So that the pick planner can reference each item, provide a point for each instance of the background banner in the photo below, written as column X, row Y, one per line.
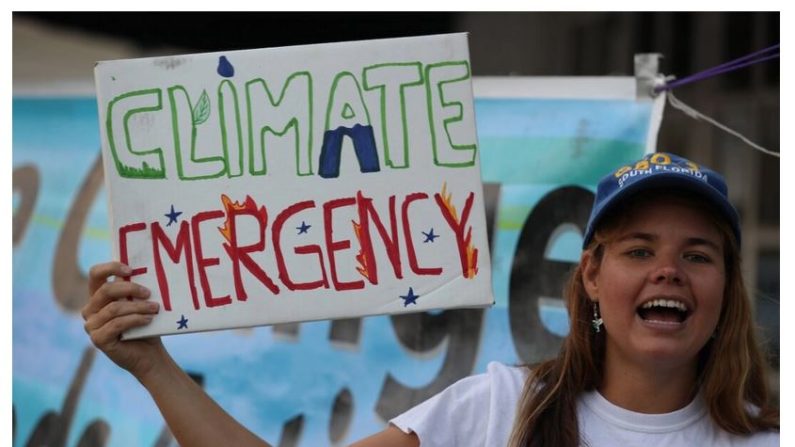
column 327, row 382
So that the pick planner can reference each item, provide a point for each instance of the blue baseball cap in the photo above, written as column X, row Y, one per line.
column 660, row 170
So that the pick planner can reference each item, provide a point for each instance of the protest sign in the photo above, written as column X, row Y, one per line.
column 298, row 183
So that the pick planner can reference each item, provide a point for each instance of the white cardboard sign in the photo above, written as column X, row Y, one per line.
column 299, row 183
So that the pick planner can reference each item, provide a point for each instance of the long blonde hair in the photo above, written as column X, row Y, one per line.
column 731, row 368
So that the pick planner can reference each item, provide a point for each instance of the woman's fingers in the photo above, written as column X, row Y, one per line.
column 108, row 334
column 109, row 292
column 99, row 274
column 114, row 307
column 121, row 310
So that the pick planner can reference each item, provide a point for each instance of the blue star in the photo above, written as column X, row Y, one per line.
column 303, row 228
column 183, row 323
column 172, row 216
column 429, row 237
column 409, row 298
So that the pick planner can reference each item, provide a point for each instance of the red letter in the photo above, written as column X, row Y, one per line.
column 302, row 250
column 123, row 256
column 409, row 241
column 159, row 239
column 202, row 263
column 241, row 254
column 391, row 245
column 468, row 268
column 332, row 246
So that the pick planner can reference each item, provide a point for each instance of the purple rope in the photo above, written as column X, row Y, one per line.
column 745, row 58
column 705, row 75
column 750, row 59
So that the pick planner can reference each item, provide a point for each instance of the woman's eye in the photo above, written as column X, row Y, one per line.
column 697, row 257
column 639, row 253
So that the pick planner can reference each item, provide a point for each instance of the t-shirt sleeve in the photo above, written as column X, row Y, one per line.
column 475, row 411
column 451, row 416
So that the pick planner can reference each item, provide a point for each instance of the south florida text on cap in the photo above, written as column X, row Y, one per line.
column 655, row 171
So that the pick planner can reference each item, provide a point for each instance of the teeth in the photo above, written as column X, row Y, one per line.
column 673, row 304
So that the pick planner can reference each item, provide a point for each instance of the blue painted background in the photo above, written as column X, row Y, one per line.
column 264, row 379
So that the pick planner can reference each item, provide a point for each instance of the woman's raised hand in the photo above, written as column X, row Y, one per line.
column 115, row 306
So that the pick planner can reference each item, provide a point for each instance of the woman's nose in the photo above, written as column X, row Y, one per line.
column 668, row 273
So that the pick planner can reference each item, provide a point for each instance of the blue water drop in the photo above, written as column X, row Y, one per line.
column 225, row 68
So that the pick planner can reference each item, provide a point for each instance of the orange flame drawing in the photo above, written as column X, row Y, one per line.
column 363, row 268
column 471, row 252
column 472, row 257
column 230, row 206
column 447, row 199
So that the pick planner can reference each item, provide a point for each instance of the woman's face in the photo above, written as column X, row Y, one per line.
column 659, row 284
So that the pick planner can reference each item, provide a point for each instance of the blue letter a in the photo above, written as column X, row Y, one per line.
column 363, row 144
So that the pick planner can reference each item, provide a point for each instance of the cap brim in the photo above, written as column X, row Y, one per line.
column 675, row 181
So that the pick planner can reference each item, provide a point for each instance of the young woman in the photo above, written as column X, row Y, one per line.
column 661, row 349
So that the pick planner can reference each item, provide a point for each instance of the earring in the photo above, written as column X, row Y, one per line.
column 597, row 321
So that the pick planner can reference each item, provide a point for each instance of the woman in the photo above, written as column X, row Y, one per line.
column 661, row 349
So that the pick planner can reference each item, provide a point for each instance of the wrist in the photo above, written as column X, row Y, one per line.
column 158, row 368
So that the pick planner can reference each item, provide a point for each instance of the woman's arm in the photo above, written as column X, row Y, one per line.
column 194, row 418
column 390, row 437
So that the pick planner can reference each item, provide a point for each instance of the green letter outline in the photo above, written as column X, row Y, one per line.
column 145, row 172
column 293, row 123
column 178, row 144
column 382, row 88
column 458, row 116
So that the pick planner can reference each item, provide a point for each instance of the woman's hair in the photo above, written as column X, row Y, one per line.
column 731, row 368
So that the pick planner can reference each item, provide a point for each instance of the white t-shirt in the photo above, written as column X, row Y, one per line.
column 480, row 410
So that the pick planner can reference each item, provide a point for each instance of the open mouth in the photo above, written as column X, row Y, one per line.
column 664, row 311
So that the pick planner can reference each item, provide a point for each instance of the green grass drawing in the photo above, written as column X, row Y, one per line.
column 143, row 172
